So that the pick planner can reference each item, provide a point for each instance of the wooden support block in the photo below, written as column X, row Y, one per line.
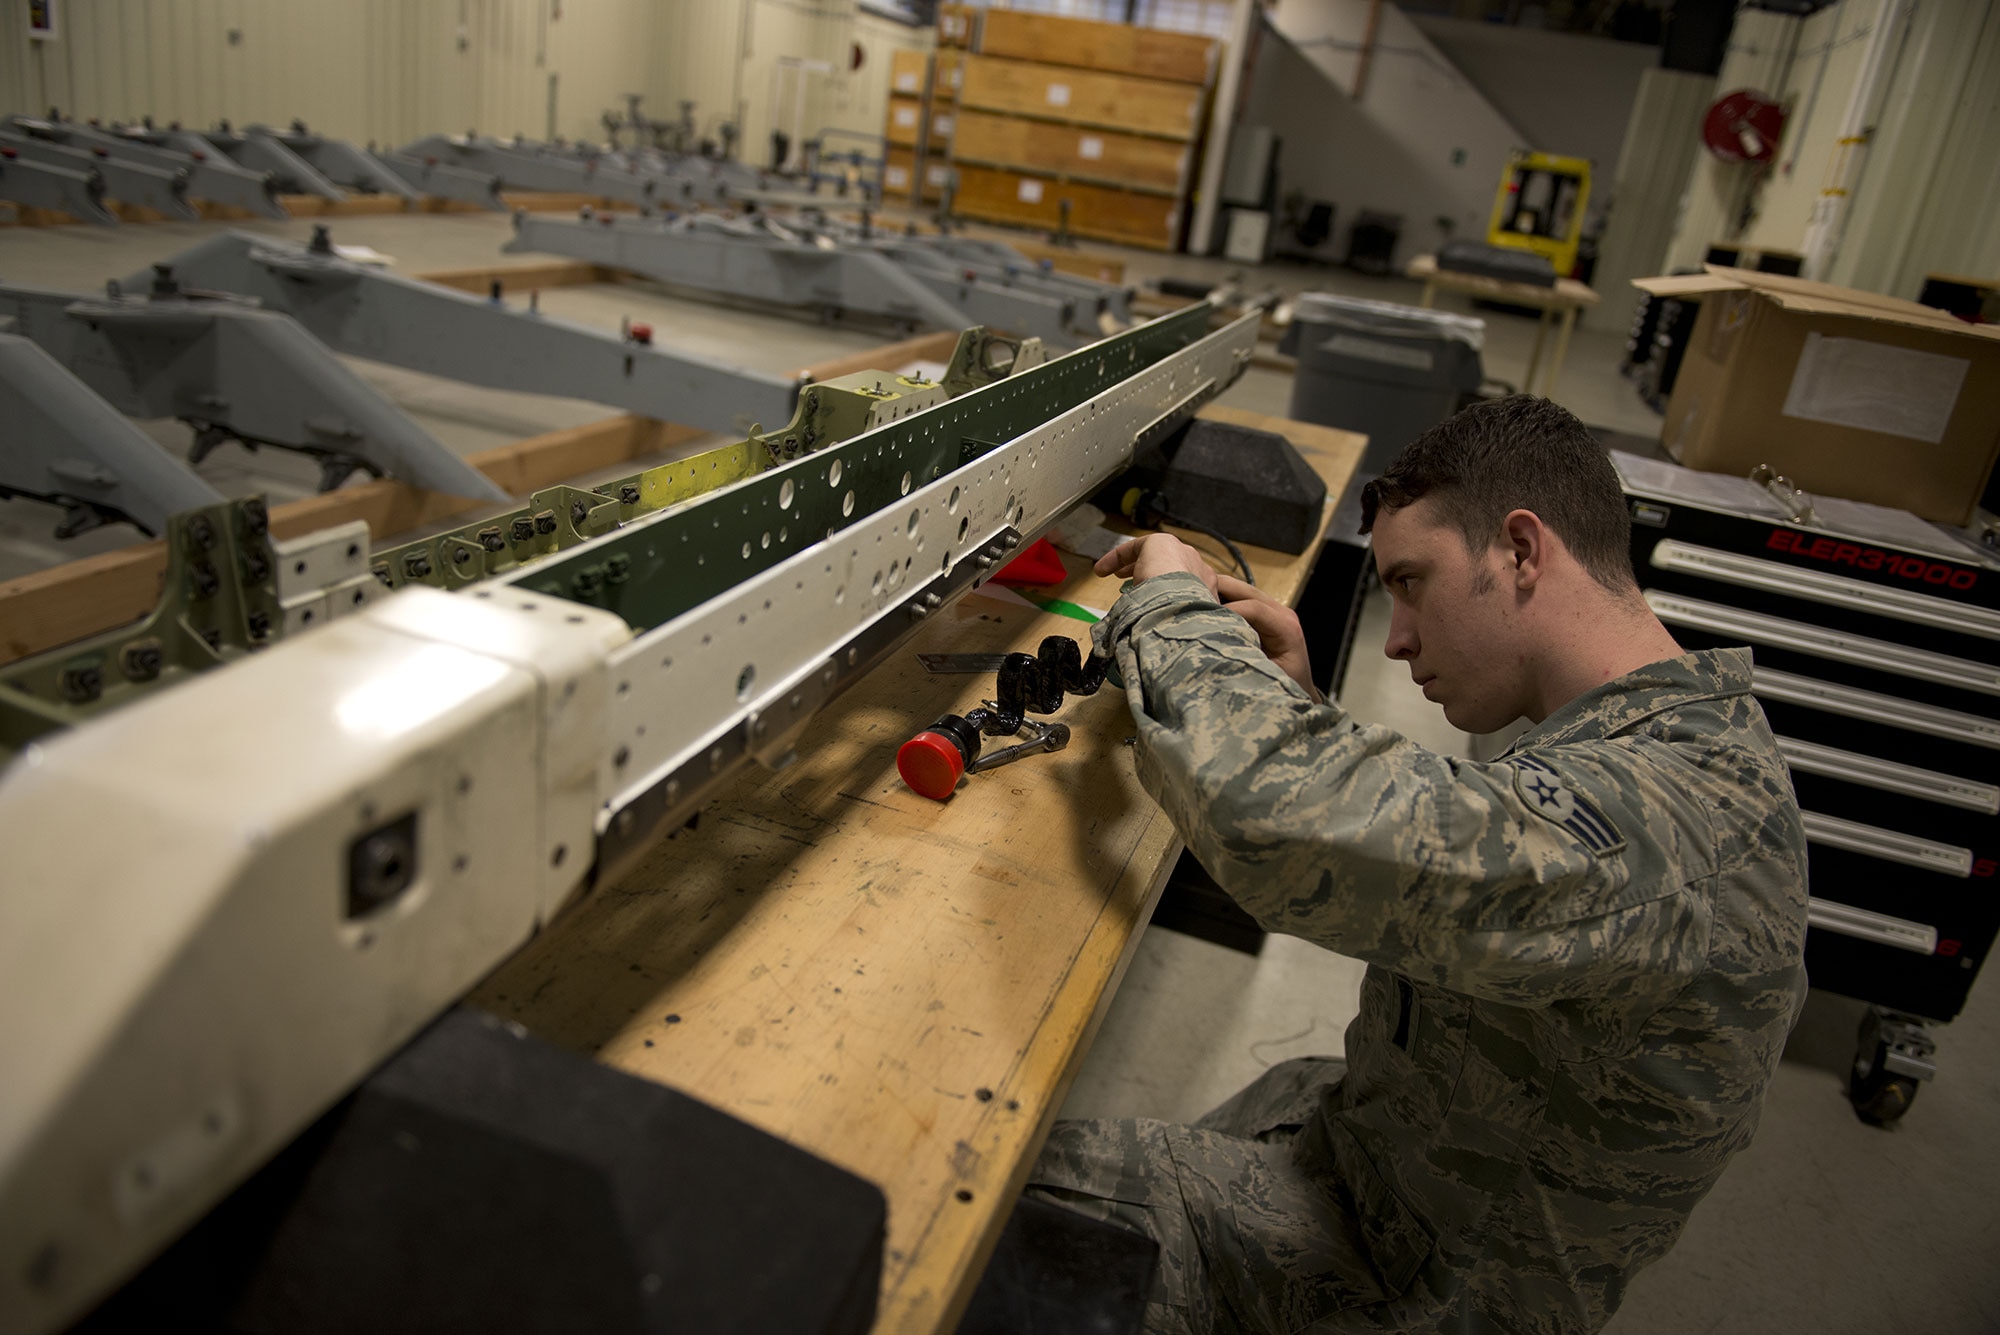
column 1083, row 97
column 1103, row 212
column 354, row 206
column 909, row 71
column 932, row 347
column 1103, row 269
column 1084, row 154
column 905, row 121
column 1116, row 48
column 520, row 277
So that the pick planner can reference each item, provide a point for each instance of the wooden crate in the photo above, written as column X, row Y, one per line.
column 1116, row 48
column 998, row 195
column 957, row 24
column 1083, row 97
column 909, row 72
column 899, row 173
column 1079, row 153
column 937, row 171
column 950, row 74
column 905, row 121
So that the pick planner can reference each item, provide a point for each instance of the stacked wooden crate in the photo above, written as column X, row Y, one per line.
column 909, row 96
column 1104, row 116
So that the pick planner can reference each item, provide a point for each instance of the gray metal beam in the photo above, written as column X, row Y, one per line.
column 233, row 371
column 43, row 186
column 257, row 153
column 644, row 178
column 340, row 162
column 67, row 446
column 428, row 176
column 211, row 174
column 367, row 312
column 149, row 187
column 706, row 254
column 765, row 260
column 531, row 167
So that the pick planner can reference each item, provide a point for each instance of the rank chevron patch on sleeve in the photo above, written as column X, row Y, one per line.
column 1543, row 791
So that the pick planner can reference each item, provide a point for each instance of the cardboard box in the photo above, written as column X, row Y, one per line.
column 1847, row 393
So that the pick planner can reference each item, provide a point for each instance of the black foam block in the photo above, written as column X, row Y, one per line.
column 485, row 1180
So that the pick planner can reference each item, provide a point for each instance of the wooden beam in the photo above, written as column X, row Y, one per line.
column 936, row 347
column 516, row 277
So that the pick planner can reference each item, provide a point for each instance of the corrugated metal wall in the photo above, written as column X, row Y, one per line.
column 1928, row 198
column 382, row 70
column 1928, row 190
column 1648, row 182
column 725, row 56
column 1759, row 56
column 390, row 70
column 1824, row 72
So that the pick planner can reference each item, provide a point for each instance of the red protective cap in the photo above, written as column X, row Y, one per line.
column 1039, row 565
column 931, row 764
column 642, row 333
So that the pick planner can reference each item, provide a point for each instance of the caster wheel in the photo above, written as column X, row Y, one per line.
column 1880, row 1096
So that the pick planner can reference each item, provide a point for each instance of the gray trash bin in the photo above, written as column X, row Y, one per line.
column 1373, row 366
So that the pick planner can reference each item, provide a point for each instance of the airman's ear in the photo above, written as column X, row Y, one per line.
column 1527, row 540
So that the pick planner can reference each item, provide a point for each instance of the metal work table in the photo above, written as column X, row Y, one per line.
column 1558, row 305
column 903, row 987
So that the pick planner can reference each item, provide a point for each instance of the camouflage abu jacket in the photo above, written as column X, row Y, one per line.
column 1584, row 957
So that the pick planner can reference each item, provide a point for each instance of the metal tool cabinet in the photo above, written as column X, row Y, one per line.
column 1877, row 644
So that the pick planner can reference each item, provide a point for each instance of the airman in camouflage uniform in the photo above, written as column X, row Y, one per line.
column 1584, row 958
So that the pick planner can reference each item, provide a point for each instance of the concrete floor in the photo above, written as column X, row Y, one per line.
column 1823, row 1225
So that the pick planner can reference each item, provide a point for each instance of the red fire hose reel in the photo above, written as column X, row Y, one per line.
column 1743, row 127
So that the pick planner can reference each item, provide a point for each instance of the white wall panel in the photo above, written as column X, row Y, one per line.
column 1759, row 57
column 1421, row 142
column 1568, row 93
column 1928, row 197
column 1644, row 188
column 382, row 70
column 1824, row 73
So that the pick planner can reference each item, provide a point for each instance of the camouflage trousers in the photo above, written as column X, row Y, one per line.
column 1248, row 1241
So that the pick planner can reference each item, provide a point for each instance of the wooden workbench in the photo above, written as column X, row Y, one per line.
column 1559, row 304
column 903, row 987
